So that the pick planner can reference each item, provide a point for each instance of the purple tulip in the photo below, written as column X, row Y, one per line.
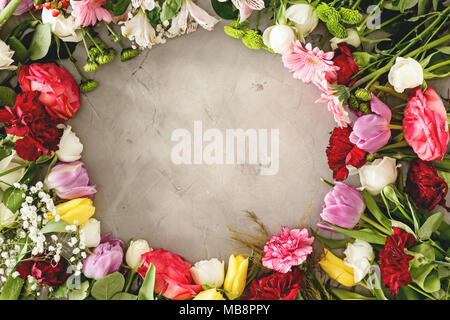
column 343, row 207
column 371, row 131
column 70, row 181
column 107, row 258
column 23, row 7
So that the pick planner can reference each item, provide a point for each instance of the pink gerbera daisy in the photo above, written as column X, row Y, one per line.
column 88, row 12
column 334, row 105
column 286, row 249
column 310, row 65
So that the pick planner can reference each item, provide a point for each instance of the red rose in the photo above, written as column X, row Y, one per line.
column 57, row 89
column 284, row 286
column 173, row 277
column 46, row 272
column 424, row 185
column 341, row 152
column 347, row 66
column 394, row 262
column 29, row 119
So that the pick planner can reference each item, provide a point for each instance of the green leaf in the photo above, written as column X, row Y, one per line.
column 403, row 226
column 117, row 7
column 81, row 293
column 20, row 51
column 154, row 15
column 169, row 9
column 124, row 296
column 40, row 44
column 426, row 277
column 29, row 174
column 430, row 225
column 343, row 294
column 374, row 283
column 55, row 226
column 12, row 288
column 225, row 10
column 445, row 50
column 406, row 293
column 332, row 244
column 7, row 97
column 147, row 290
column 375, row 210
column 107, row 287
column 12, row 198
column 364, row 234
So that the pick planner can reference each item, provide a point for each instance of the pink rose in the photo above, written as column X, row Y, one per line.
column 425, row 124
column 286, row 249
column 173, row 277
column 58, row 90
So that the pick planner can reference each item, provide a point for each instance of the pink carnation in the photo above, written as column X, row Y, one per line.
column 286, row 249
column 88, row 12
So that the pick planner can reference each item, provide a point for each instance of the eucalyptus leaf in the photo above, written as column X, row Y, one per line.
column 169, row 9
column 12, row 288
column 54, row 226
column 107, row 287
column 7, row 96
column 124, row 296
column 80, row 293
column 40, row 44
column 430, row 225
column 148, row 287
column 426, row 277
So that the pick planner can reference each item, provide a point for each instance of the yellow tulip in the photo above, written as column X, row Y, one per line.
column 236, row 277
column 337, row 270
column 76, row 211
column 210, row 294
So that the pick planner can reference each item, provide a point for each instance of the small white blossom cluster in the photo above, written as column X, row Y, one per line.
column 24, row 238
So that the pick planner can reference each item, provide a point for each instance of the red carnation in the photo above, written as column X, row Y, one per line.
column 394, row 262
column 277, row 286
column 424, row 185
column 347, row 66
column 341, row 152
column 28, row 119
column 47, row 273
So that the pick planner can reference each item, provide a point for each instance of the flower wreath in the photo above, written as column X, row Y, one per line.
column 396, row 241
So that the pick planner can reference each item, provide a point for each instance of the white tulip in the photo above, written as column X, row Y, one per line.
column 139, row 30
column 358, row 255
column 7, row 217
column 209, row 272
column 352, row 39
column 91, row 234
column 8, row 163
column 405, row 74
column 304, row 16
column 70, row 146
column 376, row 175
column 134, row 252
column 64, row 28
column 6, row 55
column 279, row 38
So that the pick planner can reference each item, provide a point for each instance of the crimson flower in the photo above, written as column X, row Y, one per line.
column 46, row 272
column 347, row 66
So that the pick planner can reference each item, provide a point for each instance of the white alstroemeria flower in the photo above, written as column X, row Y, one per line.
column 144, row 4
column 64, row 28
column 6, row 55
column 139, row 30
column 305, row 18
column 352, row 39
column 8, row 163
column 405, row 74
column 246, row 7
column 358, row 255
column 200, row 16
column 279, row 38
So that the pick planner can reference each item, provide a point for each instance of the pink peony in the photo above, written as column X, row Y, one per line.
column 311, row 65
column 88, row 12
column 425, row 124
column 286, row 249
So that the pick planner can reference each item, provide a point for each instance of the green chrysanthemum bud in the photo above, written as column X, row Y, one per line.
column 106, row 57
column 337, row 29
column 327, row 14
column 234, row 33
column 364, row 108
column 239, row 25
column 253, row 40
column 116, row 37
column 128, row 54
column 363, row 94
column 350, row 16
column 353, row 103
column 94, row 51
column 88, row 85
column 91, row 66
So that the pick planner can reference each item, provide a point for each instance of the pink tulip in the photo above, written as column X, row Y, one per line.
column 107, row 258
column 70, row 181
column 371, row 131
column 425, row 124
column 343, row 207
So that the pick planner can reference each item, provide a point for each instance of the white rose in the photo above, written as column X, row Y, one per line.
column 376, row 175
column 358, row 255
column 8, row 163
column 405, row 73
column 64, row 28
column 304, row 17
column 6, row 216
column 352, row 39
column 209, row 272
column 6, row 55
column 91, row 232
column 134, row 252
column 70, row 147
column 279, row 38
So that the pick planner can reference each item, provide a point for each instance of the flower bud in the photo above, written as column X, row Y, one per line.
column 236, row 277
column 91, row 232
column 10, row 162
column 405, row 74
column 75, row 212
column 336, row 269
column 70, row 147
column 91, row 66
column 279, row 38
column 209, row 272
column 135, row 251
column 211, row 294
column 128, row 54
column 304, row 17
column 88, row 85
column 358, row 255
column 376, row 175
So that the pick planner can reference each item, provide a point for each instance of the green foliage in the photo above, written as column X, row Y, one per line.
column 7, row 97
column 148, row 287
column 12, row 198
column 12, row 288
column 226, row 10
column 41, row 41
column 154, row 15
column 107, row 287
column 117, row 7
column 169, row 9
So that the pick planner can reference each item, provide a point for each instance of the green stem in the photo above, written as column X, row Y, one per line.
column 381, row 25
column 93, row 41
column 421, row 292
column 130, row 279
column 74, row 62
column 8, row 11
column 86, row 46
column 401, row 144
column 395, row 127
column 375, row 224
column 356, row 4
column 437, row 65
column 4, row 173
